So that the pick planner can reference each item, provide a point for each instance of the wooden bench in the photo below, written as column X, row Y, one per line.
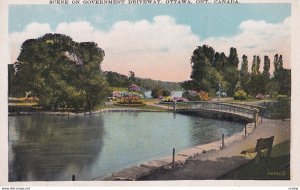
column 261, row 144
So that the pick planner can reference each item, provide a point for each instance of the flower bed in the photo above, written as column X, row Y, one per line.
column 193, row 95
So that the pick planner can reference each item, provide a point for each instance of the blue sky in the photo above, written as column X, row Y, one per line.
column 205, row 20
column 156, row 41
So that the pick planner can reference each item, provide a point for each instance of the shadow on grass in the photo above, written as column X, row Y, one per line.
column 277, row 168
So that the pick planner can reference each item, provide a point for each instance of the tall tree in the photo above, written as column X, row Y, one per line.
column 282, row 76
column 244, row 73
column 230, row 71
column 201, row 61
column 278, row 63
column 61, row 73
column 255, row 84
column 233, row 59
column 255, row 65
column 266, row 71
column 132, row 78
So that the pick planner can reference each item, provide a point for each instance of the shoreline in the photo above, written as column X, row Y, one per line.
column 139, row 171
column 83, row 113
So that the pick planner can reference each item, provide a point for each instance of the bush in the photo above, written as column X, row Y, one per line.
column 259, row 96
column 134, row 88
column 191, row 95
column 203, row 96
column 157, row 92
column 281, row 97
column 240, row 95
column 166, row 92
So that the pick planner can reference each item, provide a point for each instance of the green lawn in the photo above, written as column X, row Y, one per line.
column 277, row 168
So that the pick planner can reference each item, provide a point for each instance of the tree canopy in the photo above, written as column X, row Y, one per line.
column 210, row 68
column 60, row 72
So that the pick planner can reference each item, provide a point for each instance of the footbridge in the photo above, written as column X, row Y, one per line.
column 246, row 112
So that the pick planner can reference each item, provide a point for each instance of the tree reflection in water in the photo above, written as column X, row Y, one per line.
column 53, row 148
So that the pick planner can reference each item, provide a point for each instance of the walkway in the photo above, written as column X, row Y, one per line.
column 213, row 164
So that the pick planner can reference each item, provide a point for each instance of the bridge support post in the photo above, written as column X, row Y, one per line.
column 245, row 131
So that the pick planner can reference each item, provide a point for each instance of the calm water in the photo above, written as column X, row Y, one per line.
column 55, row 147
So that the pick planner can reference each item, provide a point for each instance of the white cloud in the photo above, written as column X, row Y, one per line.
column 161, row 48
column 33, row 30
column 258, row 38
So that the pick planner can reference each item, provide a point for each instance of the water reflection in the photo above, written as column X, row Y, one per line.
column 207, row 130
column 53, row 147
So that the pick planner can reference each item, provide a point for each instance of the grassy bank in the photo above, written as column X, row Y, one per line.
column 277, row 168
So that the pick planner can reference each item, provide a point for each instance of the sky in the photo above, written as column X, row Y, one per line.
column 157, row 41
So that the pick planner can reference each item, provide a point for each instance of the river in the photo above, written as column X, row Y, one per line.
column 53, row 148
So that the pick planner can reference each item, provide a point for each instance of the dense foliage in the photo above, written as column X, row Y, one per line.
column 240, row 95
column 159, row 92
column 211, row 69
column 62, row 73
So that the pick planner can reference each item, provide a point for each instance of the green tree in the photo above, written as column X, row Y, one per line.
column 132, row 78
column 278, row 63
column 266, row 71
column 230, row 71
column 255, row 84
column 157, row 92
column 201, row 59
column 116, row 80
column 210, row 68
column 244, row 73
column 282, row 76
column 265, row 82
column 61, row 73
column 233, row 59
column 255, row 65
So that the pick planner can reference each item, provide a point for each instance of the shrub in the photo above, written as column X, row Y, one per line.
column 240, row 95
column 203, row 96
column 281, row 97
column 191, row 95
column 134, row 88
column 157, row 92
column 167, row 99
column 259, row 96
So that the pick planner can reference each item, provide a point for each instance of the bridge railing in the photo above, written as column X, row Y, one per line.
column 217, row 106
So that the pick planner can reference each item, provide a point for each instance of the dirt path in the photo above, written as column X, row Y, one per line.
column 213, row 164
column 166, row 107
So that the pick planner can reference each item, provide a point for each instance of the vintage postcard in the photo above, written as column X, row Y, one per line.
column 99, row 92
